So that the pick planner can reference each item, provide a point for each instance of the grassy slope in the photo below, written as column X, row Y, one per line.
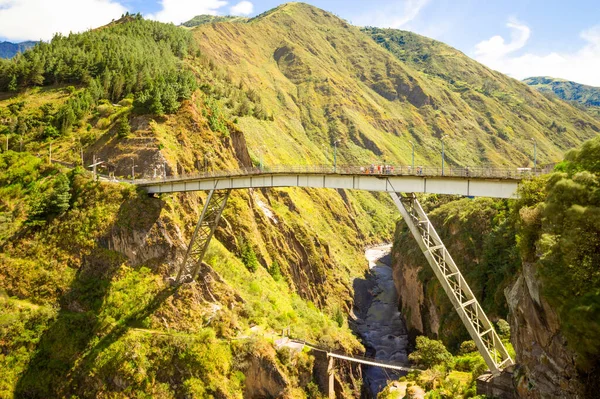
column 319, row 74
column 491, row 109
column 589, row 96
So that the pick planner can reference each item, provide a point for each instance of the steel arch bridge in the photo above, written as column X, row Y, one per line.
column 401, row 183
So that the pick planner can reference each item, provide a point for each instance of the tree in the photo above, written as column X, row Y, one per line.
column 429, row 353
column 248, row 256
column 12, row 86
column 124, row 129
column 275, row 271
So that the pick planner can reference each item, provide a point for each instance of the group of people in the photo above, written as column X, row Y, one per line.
column 377, row 169
column 387, row 170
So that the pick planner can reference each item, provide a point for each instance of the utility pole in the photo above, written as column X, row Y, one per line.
column 534, row 154
column 207, row 155
column 413, row 155
column 442, row 139
column 133, row 165
column 335, row 143
column 95, row 163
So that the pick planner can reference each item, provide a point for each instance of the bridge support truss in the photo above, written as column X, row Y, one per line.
column 455, row 286
column 205, row 229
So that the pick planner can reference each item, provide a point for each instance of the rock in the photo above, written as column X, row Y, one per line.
column 546, row 366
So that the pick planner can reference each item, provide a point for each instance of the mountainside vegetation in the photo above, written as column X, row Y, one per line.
column 553, row 227
column 86, row 306
column 584, row 96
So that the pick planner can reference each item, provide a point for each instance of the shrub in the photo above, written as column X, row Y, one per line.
column 248, row 256
column 467, row 347
column 275, row 271
column 124, row 129
column 503, row 329
column 429, row 353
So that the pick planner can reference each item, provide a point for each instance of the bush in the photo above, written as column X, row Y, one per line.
column 248, row 256
column 467, row 347
column 124, row 129
column 503, row 329
column 275, row 271
column 430, row 353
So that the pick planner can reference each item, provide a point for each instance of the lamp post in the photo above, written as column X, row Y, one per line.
column 335, row 143
column 206, row 156
column 94, row 165
column 534, row 154
column 413, row 155
column 442, row 139
column 133, row 165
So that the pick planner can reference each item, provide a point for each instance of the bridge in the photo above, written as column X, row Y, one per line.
column 471, row 182
column 401, row 182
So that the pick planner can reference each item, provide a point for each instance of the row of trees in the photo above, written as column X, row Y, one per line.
column 121, row 58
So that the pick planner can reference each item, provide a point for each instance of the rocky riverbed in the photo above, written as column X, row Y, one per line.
column 378, row 322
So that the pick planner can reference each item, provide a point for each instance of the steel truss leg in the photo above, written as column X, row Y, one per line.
column 205, row 229
column 455, row 286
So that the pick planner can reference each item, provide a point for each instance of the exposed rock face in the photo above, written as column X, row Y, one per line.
column 264, row 379
column 546, row 367
column 419, row 310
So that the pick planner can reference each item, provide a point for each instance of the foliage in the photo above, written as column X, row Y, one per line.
column 248, row 256
column 429, row 353
column 275, row 271
column 122, row 58
column 123, row 128
column 567, row 246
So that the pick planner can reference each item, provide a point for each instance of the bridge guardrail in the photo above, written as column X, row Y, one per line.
column 379, row 170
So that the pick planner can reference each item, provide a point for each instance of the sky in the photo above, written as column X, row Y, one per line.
column 520, row 38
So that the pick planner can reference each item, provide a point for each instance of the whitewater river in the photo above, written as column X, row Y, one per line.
column 379, row 323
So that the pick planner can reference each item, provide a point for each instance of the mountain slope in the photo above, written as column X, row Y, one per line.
column 317, row 74
column 567, row 90
column 9, row 50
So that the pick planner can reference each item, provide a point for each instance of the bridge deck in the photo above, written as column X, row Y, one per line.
column 476, row 182
column 357, row 359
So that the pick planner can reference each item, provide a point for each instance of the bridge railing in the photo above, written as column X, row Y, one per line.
column 385, row 170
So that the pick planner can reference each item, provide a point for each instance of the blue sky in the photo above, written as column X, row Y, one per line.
column 521, row 38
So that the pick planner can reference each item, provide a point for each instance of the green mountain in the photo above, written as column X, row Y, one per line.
column 567, row 90
column 323, row 79
column 9, row 50
column 86, row 308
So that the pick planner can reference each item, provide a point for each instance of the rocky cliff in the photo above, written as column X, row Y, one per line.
column 546, row 367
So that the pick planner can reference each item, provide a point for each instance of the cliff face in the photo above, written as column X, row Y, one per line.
column 471, row 230
column 546, row 367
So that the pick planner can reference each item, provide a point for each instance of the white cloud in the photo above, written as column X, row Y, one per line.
column 580, row 65
column 396, row 16
column 178, row 11
column 242, row 8
column 40, row 19
column 496, row 47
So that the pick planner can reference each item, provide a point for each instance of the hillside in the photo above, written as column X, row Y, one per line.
column 567, row 90
column 9, row 50
column 316, row 73
column 86, row 308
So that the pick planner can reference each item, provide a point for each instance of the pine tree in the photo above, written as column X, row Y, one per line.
column 124, row 129
column 12, row 86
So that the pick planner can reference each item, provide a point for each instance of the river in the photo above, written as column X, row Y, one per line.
column 378, row 322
